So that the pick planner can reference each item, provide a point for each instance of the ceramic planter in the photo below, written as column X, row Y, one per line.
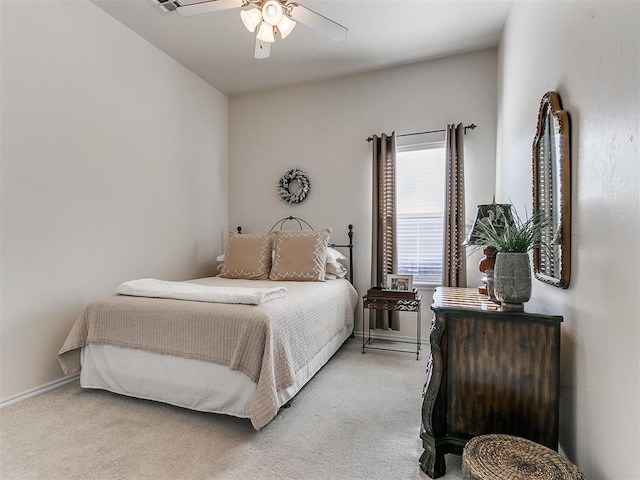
column 512, row 280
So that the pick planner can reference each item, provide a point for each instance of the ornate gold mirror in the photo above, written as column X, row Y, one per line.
column 552, row 192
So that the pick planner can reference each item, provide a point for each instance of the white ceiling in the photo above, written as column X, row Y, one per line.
column 382, row 33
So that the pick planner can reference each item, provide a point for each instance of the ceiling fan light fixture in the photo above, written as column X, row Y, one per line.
column 265, row 33
column 272, row 12
column 251, row 18
column 264, row 19
column 286, row 26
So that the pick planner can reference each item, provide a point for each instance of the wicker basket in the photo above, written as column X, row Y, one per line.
column 505, row 457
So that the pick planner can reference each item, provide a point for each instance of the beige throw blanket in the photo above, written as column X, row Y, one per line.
column 151, row 287
column 269, row 342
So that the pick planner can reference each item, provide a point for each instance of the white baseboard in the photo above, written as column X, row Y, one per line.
column 38, row 390
column 561, row 451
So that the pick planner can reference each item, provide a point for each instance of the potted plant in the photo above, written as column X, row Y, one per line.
column 512, row 271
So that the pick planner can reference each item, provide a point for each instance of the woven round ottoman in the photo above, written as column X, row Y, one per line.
column 505, row 457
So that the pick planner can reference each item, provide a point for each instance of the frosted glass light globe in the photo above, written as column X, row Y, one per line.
column 272, row 12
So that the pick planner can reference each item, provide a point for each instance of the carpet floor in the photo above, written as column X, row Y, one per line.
column 358, row 418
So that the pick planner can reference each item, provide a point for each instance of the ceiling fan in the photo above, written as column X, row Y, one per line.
column 265, row 18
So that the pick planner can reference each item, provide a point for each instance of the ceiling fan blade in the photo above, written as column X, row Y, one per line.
column 207, row 7
column 263, row 49
column 164, row 6
column 318, row 22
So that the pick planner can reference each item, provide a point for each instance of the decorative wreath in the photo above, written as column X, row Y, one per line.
column 284, row 184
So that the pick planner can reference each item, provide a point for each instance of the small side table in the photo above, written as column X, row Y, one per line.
column 391, row 304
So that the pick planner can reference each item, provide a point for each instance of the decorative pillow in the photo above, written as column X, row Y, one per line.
column 334, row 255
column 248, row 256
column 300, row 256
column 335, row 270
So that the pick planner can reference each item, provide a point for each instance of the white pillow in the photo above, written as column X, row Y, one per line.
column 335, row 270
column 334, row 255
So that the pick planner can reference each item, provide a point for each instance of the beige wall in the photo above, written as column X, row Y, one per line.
column 114, row 166
column 321, row 128
column 114, row 160
column 589, row 53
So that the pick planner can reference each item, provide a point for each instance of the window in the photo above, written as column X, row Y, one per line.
column 420, row 184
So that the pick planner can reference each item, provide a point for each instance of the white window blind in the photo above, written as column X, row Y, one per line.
column 420, row 184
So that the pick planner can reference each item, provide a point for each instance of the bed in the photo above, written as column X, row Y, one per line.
column 242, row 343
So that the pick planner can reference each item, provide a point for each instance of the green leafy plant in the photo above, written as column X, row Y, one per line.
column 520, row 236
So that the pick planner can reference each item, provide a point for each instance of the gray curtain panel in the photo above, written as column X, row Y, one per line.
column 454, row 265
column 383, row 238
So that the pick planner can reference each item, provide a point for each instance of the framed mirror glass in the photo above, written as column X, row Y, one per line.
column 552, row 192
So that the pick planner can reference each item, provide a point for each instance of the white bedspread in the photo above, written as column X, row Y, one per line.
column 151, row 287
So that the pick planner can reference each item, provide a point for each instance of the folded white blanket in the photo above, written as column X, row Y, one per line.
column 151, row 287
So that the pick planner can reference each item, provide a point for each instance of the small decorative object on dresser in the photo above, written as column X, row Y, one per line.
column 490, row 371
column 513, row 241
column 490, row 281
column 498, row 215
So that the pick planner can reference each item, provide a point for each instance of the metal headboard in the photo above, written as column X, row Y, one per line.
column 280, row 223
column 284, row 220
column 350, row 247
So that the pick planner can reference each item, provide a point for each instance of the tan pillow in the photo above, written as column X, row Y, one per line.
column 248, row 256
column 300, row 256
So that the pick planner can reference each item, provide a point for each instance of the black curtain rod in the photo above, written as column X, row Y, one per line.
column 468, row 127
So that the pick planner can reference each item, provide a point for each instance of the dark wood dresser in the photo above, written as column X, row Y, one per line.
column 489, row 371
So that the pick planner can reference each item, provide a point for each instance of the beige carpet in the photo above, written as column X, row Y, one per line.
column 358, row 418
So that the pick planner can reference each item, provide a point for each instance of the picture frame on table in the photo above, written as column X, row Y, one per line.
column 401, row 283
